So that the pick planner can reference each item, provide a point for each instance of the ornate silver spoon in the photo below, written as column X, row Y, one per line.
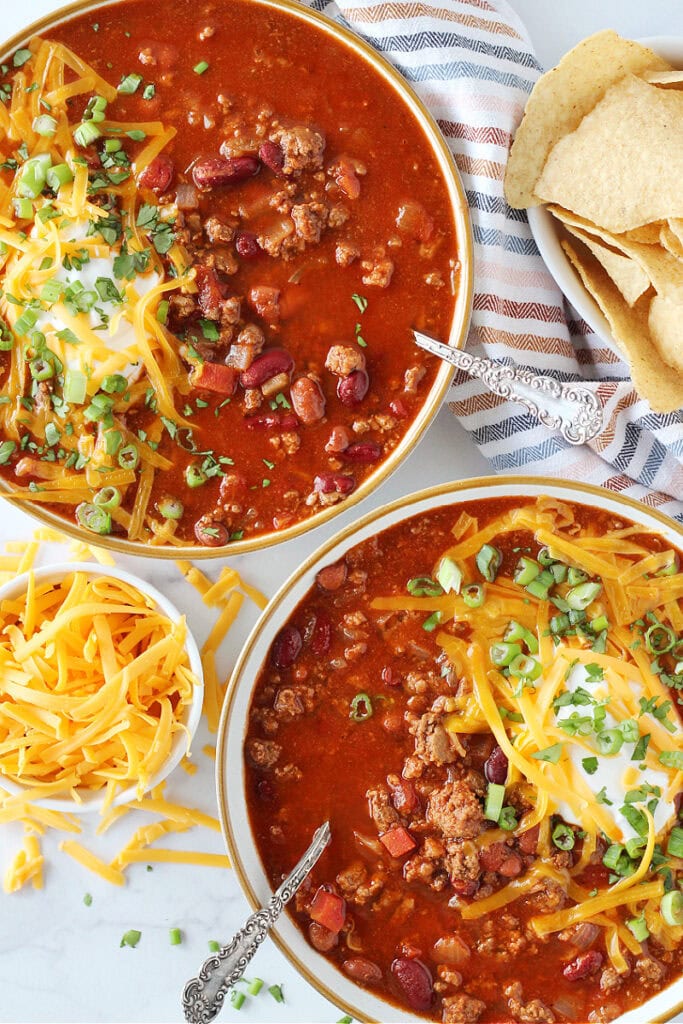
column 569, row 408
column 203, row 996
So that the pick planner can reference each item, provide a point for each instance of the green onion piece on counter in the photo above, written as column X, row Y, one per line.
column 129, row 84
column 86, row 133
column 526, row 571
column 674, row 847
column 489, row 560
column 87, row 899
column 501, row 654
column 195, row 476
column 175, row 936
column 254, row 987
column 525, row 667
column 609, row 742
column 276, row 993
column 551, row 754
column 94, row 519
column 638, row 928
column 214, row 946
column 60, row 174
column 576, row 576
column 580, row 597
column 516, row 632
column 128, row 457
column 361, row 708
column 671, row 907
column 131, row 938
column 473, row 595
column 449, row 576
column 237, row 999
column 345, row 1020
column 41, row 369
column 508, row 819
column 108, row 498
column 44, row 125
column 659, row 639
column 170, row 508
column 495, row 795
column 563, row 837
column 430, row 624
column 75, row 384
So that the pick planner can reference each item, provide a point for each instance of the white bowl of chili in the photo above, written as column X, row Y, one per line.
column 102, row 687
column 213, row 444
column 321, row 734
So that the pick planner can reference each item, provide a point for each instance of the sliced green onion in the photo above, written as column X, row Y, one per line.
column 113, row 439
column 590, row 765
column 214, row 946
column 672, row 759
column 473, row 595
column 128, row 457
column 612, row 856
column 26, row 322
column 41, row 369
column 87, row 899
column 516, row 632
column 495, row 795
column 254, row 987
column 95, row 519
column 600, row 623
column 6, row 337
column 114, row 383
column 51, row 290
column 60, row 174
column 108, row 498
column 449, row 576
column 200, row 68
column 672, row 568
column 580, row 597
column 131, row 938
column 52, row 434
column 671, row 907
column 237, row 999
column 525, row 667
column 175, row 936
column 674, row 846
column 129, row 84
column 44, row 125
column 526, row 571
column 502, row 654
column 424, row 586
column 659, row 639
column 563, row 837
column 276, row 993
column 544, row 557
column 635, row 818
column 508, row 819
column 75, row 385
column 635, row 846
column 559, row 571
column 86, row 133
column 195, row 476
column 629, row 730
column 551, row 754
column 7, row 449
column 430, row 624
column 489, row 560
column 361, row 708
column 638, row 928
column 170, row 508
column 162, row 311
column 559, row 624
column 576, row 576
column 609, row 742
column 33, row 176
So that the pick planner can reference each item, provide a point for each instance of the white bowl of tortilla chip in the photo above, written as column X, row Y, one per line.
column 598, row 167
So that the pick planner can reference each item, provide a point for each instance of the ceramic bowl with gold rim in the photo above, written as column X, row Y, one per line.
column 295, row 749
column 140, row 367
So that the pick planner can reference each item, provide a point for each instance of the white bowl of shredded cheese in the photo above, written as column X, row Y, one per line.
column 101, row 687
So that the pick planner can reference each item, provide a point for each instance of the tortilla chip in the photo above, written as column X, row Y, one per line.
column 663, row 78
column 649, row 234
column 665, row 322
column 623, row 165
column 652, row 377
column 670, row 241
column 627, row 274
column 664, row 271
column 676, row 226
column 562, row 98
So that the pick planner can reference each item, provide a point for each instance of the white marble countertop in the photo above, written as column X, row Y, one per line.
column 60, row 961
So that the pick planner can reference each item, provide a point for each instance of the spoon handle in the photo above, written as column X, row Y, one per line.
column 203, row 996
column 571, row 409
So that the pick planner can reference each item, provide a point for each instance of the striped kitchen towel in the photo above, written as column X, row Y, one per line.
column 473, row 65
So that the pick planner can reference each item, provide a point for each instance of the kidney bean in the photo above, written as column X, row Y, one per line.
column 286, row 647
column 271, row 363
column 272, row 421
column 390, row 677
column 266, row 791
column 403, row 794
column 321, row 937
column 362, row 451
column 325, row 483
column 232, row 488
column 511, row 866
column 270, row 154
column 496, row 767
column 528, row 841
column 363, row 970
column 246, row 244
column 321, row 638
column 308, row 400
column 465, row 886
column 211, row 534
column 158, row 174
column 415, row 981
column 398, row 408
column 218, row 171
column 340, row 438
column 352, row 390
column 331, row 577
column 585, row 964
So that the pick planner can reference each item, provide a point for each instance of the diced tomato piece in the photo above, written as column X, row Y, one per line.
column 329, row 910
column 215, row 377
column 398, row 841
